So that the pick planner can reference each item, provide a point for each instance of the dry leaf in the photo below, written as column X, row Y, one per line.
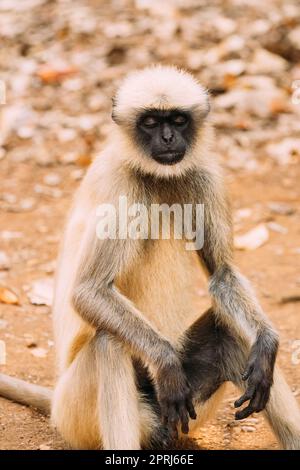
column 252, row 239
column 41, row 292
column 284, row 151
column 7, row 296
column 281, row 208
column 277, row 228
column 84, row 160
column 279, row 105
column 265, row 62
column 49, row 74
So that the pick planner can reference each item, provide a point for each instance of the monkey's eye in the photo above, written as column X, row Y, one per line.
column 179, row 119
column 149, row 121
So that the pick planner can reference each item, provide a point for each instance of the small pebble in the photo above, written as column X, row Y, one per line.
column 248, row 428
column 52, row 179
column 44, row 447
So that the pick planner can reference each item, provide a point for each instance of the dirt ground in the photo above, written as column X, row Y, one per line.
column 30, row 233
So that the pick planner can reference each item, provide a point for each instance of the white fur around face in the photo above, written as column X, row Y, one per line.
column 159, row 87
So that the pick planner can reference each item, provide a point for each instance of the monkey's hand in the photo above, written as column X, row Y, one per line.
column 259, row 374
column 175, row 398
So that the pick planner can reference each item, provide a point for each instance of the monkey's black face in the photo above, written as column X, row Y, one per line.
column 165, row 135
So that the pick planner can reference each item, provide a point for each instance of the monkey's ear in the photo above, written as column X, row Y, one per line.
column 202, row 110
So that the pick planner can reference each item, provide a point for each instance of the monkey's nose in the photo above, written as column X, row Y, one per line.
column 167, row 135
column 168, row 140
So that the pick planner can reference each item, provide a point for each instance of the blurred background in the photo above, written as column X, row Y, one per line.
column 61, row 61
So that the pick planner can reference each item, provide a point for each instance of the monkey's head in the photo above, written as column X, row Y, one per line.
column 161, row 111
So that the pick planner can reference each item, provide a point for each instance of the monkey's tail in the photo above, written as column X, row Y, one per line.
column 26, row 393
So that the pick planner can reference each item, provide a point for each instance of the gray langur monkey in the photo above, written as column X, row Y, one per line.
column 136, row 359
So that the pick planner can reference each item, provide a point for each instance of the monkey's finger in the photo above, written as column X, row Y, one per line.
column 256, row 405
column 244, row 413
column 190, row 408
column 173, row 420
column 164, row 414
column 246, row 374
column 247, row 396
column 184, row 418
column 260, row 401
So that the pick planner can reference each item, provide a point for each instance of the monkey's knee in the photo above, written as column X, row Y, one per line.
column 96, row 403
column 74, row 404
column 202, row 356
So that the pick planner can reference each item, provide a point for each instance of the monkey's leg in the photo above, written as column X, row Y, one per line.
column 208, row 353
column 96, row 403
column 126, row 421
column 212, row 356
column 201, row 352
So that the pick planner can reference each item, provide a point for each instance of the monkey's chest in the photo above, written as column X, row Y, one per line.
column 166, row 284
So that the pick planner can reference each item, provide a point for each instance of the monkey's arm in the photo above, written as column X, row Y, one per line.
column 98, row 301
column 235, row 303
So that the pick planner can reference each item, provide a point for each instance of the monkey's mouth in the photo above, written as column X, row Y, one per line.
column 168, row 158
